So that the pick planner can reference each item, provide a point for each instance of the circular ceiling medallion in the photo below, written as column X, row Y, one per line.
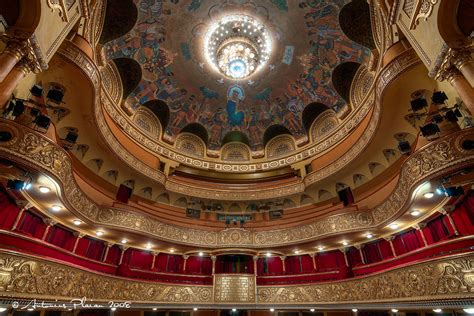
column 237, row 46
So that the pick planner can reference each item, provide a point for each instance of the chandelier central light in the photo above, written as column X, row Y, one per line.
column 237, row 46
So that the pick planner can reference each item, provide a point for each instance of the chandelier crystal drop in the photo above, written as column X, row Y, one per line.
column 237, row 46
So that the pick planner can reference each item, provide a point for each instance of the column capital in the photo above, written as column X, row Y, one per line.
column 213, row 258
column 282, row 258
column 255, row 258
column 155, row 253
column 419, row 226
column 109, row 244
column 185, row 257
column 448, row 73
column 389, row 238
column 460, row 57
column 78, row 234
column 124, row 248
column 50, row 222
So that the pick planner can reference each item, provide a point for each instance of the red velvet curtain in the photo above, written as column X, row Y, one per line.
column 329, row 261
column 113, row 256
column 293, row 265
column 385, row 249
column 353, row 256
column 95, row 249
column 372, row 252
column 61, row 237
column 438, row 229
column 411, row 240
column 463, row 216
column 32, row 225
column 139, row 259
column 8, row 211
column 169, row 263
column 199, row 265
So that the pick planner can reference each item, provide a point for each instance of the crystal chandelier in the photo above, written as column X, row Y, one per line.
column 237, row 46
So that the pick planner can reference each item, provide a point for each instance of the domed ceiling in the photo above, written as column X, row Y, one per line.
column 237, row 65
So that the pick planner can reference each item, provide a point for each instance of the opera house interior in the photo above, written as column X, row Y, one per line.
column 237, row 157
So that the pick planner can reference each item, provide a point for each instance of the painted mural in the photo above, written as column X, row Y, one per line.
column 299, row 73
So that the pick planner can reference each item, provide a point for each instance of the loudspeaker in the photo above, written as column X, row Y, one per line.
column 71, row 137
column 429, row 129
column 55, row 95
column 42, row 121
column 123, row 193
column 439, row 97
column 37, row 91
column 15, row 184
column 18, row 108
column 454, row 191
column 418, row 104
column 345, row 196
column 404, row 147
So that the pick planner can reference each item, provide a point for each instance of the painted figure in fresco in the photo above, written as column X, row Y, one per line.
column 253, row 127
column 235, row 95
column 217, row 125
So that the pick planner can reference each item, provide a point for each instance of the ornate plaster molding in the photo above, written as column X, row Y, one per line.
column 35, row 150
column 24, row 276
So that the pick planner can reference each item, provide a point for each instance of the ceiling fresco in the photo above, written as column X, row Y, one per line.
column 168, row 42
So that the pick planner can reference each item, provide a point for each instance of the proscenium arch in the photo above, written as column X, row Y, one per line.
column 161, row 110
column 130, row 74
column 311, row 112
column 354, row 19
column 274, row 131
column 235, row 136
column 120, row 17
column 342, row 77
column 197, row 129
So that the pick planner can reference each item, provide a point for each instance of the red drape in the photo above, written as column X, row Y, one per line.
column 438, row 229
column 138, row 259
column 8, row 211
column 199, row 265
column 372, row 252
column 463, row 216
column 113, row 256
column 95, row 248
column 331, row 260
column 385, row 249
column 61, row 237
column 31, row 225
column 353, row 256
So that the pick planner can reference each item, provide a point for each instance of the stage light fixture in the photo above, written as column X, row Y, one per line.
column 36, row 91
column 418, row 104
column 439, row 97
column 16, row 184
column 404, row 147
column 429, row 129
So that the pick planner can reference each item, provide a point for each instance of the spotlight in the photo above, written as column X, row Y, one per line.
column 429, row 129
column 455, row 191
column 404, row 147
column 44, row 189
column 439, row 97
column 428, row 195
column 439, row 191
column 418, row 104
column 415, row 213
column 36, row 91
column 56, row 208
column 15, row 184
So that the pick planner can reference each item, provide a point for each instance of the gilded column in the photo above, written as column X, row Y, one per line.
column 313, row 257
column 108, row 245
column 154, row 259
column 124, row 248
column 50, row 224
column 78, row 238
column 13, row 79
column 451, row 221
column 20, row 214
column 343, row 250
column 12, row 54
column 213, row 258
column 283, row 263
column 390, row 241
column 462, row 60
column 361, row 252
column 461, row 85
column 255, row 260
column 419, row 228
column 185, row 257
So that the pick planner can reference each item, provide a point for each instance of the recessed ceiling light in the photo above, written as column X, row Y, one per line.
column 428, row 195
column 171, row 250
column 268, row 254
column 321, row 248
column 272, row 310
column 234, row 309
column 469, row 310
column 369, row 235
column 437, row 310
column 201, row 254
column 354, row 310
column 113, row 309
column 345, row 243
column 56, row 208
column 311, row 310
column 44, row 189
column 393, row 226
column 99, row 233
column 2, row 309
column 77, row 222
column 394, row 310
column 154, row 309
column 124, row 241
column 30, row 309
column 195, row 309
column 297, row 251
column 148, row 246
column 415, row 213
